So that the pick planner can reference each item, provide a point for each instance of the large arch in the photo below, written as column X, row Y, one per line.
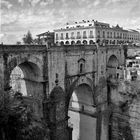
column 29, row 83
column 82, row 113
column 81, row 109
column 30, row 73
column 80, row 80
column 112, row 65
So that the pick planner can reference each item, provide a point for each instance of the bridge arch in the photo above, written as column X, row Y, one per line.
column 26, row 78
column 81, row 109
column 113, row 61
column 112, row 65
column 79, row 81
column 29, row 75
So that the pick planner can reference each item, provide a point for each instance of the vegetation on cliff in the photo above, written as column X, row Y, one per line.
column 17, row 121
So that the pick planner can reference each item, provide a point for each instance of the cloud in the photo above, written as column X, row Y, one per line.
column 21, row 1
column 34, row 2
column 9, row 17
column 135, row 9
column 46, row 2
column 6, row 4
column 1, row 35
column 9, row 38
column 96, row 2
column 43, row 15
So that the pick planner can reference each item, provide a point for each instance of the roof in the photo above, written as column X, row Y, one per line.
column 45, row 33
column 132, row 30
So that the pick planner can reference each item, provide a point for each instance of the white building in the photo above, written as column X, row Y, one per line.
column 90, row 32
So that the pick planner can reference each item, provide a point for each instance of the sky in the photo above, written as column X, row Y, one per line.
column 19, row 16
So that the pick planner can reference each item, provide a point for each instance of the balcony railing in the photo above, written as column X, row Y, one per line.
column 72, row 37
column 61, row 38
column 78, row 37
column 84, row 37
column 91, row 36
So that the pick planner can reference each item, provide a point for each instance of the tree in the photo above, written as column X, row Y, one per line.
column 27, row 39
column 17, row 121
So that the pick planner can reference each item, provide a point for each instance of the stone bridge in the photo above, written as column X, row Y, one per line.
column 67, row 84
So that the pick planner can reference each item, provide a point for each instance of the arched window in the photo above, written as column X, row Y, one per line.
column 56, row 36
column 78, row 42
column 61, row 36
column 81, row 68
column 81, row 65
column 84, row 42
column 72, row 42
column 78, row 35
column 67, row 43
column 67, row 36
column 72, row 35
column 91, row 42
column 91, row 34
column 84, row 34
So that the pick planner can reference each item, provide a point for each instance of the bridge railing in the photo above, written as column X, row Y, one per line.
column 7, row 48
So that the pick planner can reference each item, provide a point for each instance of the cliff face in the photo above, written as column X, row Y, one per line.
column 134, row 121
column 124, row 105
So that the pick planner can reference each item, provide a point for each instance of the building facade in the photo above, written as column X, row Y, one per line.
column 91, row 32
column 45, row 38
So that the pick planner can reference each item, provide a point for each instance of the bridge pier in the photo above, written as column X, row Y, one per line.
column 54, row 110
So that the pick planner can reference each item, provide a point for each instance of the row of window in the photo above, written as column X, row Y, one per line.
column 108, row 42
column 118, row 35
column 76, row 42
column 73, row 37
column 104, row 35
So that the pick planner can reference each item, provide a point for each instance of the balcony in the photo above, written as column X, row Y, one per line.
column 72, row 37
column 61, row 38
column 67, row 38
column 84, row 37
column 91, row 36
column 78, row 37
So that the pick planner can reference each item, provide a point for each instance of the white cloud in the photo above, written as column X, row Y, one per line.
column 9, row 17
column 34, row 2
column 96, row 2
column 46, row 2
column 7, row 4
column 1, row 35
column 21, row 1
